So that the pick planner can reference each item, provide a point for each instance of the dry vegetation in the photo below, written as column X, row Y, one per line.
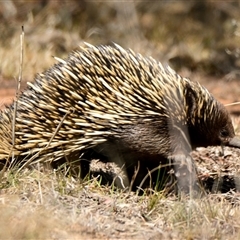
column 47, row 205
column 199, row 38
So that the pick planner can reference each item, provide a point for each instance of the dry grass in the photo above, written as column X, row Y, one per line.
column 48, row 205
column 36, row 59
column 37, row 205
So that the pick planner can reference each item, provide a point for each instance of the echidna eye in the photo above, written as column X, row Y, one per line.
column 224, row 133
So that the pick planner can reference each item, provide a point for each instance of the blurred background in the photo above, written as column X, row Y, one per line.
column 199, row 39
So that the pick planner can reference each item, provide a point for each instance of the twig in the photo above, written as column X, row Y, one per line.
column 231, row 104
column 134, row 176
column 11, row 153
column 30, row 161
column 17, row 92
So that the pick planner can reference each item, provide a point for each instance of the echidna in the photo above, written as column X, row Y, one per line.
column 122, row 105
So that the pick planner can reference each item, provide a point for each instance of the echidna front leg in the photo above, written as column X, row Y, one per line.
column 180, row 149
column 185, row 173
